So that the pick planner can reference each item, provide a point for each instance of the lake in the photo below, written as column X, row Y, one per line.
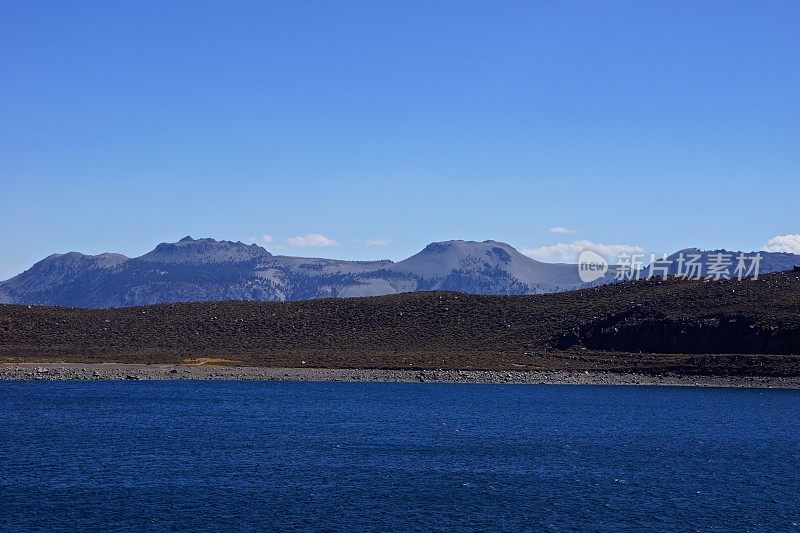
column 395, row 456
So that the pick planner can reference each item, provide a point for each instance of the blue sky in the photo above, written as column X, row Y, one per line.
column 382, row 126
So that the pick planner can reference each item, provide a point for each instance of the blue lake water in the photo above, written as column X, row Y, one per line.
column 395, row 456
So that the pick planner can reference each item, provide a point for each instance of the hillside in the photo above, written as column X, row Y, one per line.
column 754, row 326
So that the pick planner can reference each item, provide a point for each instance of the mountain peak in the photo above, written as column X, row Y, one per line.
column 439, row 258
column 205, row 250
column 441, row 246
column 77, row 258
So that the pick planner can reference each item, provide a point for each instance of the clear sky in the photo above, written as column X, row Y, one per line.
column 382, row 126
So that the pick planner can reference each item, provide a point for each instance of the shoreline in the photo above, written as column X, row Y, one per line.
column 167, row 372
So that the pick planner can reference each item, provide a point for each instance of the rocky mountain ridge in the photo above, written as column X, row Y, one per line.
column 207, row 269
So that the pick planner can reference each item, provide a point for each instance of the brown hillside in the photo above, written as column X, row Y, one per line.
column 750, row 327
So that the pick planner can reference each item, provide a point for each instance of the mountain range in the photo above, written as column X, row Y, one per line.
column 207, row 269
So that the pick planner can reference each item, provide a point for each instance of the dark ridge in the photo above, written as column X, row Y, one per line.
column 729, row 327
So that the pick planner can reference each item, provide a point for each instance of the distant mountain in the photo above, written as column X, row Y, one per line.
column 54, row 278
column 488, row 267
column 206, row 269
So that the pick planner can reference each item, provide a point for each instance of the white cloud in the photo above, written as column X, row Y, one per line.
column 561, row 230
column 784, row 243
column 264, row 239
column 378, row 242
column 311, row 239
column 569, row 252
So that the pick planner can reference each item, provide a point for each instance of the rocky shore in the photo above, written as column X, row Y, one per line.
column 133, row 372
